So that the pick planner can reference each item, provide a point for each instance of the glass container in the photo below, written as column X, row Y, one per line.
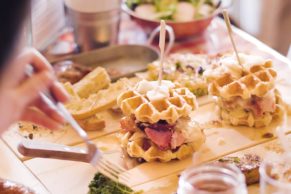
column 212, row 178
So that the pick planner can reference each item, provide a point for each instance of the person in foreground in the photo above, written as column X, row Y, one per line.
column 19, row 94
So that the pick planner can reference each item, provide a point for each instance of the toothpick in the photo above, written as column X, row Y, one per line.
column 229, row 29
column 162, row 48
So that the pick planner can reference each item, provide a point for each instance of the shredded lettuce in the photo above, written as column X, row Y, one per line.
column 166, row 8
column 133, row 3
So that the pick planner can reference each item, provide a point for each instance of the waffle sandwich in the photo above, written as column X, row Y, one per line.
column 246, row 93
column 156, row 125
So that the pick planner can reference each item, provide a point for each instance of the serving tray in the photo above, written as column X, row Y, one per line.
column 119, row 61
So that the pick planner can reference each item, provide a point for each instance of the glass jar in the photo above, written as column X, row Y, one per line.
column 212, row 178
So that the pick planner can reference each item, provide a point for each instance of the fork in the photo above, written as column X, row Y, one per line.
column 49, row 150
column 32, row 148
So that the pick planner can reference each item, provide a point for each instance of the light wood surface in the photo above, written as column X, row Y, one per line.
column 13, row 169
column 64, row 136
column 221, row 140
column 169, row 183
column 77, row 174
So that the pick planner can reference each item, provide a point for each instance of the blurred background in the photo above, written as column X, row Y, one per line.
column 268, row 20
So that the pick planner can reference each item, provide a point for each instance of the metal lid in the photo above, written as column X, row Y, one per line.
column 93, row 6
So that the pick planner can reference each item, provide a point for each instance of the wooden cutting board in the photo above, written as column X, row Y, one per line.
column 13, row 169
column 64, row 136
column 74, row 175
column 220, row 141
column 169, row 183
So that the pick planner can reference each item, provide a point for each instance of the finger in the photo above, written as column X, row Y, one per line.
column 30, row 89
column 37, row 60
column 59, row 92
column 39, row 118
column 49, row 111
column 18, row 67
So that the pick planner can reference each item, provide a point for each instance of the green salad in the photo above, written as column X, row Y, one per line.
column 103, row 185
column 175, row 10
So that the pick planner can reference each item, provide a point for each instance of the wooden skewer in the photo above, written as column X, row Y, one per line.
column 229, row 29
column 162, row 48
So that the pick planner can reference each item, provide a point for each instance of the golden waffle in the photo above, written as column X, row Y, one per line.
column 255, row 80
column 133, row 144
column 179, row 104
column 255, row 77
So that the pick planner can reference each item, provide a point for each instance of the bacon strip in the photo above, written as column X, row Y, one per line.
column 162, row 138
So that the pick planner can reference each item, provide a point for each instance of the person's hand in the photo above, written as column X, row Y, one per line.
column 19, row 94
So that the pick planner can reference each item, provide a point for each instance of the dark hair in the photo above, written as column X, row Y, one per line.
column 12, row 17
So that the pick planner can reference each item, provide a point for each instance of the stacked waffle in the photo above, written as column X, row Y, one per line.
column 246, row 93
column 156, row 125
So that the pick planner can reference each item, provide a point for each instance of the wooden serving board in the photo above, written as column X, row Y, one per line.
column 169, row 183
column 221, row 141
column 74, row 175
column 66, row 136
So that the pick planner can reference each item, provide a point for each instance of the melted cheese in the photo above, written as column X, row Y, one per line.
column 153, row 91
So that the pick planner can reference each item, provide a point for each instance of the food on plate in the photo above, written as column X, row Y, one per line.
column 93, row 123
column 9, row 187
column 174, row 10
column 93, row 82
column 246, row 93
column 249, row 164
column 185, row 69
column 156, row 125
column 82, row 108
column 103, row 185
column 68, row 71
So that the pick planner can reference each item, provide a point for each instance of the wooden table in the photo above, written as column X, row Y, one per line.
column 58, row 177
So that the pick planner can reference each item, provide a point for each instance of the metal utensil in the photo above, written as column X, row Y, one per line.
column 182, row 30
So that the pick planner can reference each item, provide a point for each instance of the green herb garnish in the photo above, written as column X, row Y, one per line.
column 178, row 65
column 104, row 185
column 230, row 159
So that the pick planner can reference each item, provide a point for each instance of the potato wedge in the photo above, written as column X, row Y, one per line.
column 93, row 82
column 103, row 100
column 93, row 123
column 69, row 88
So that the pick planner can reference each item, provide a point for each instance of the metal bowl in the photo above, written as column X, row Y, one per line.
column 181, row 29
